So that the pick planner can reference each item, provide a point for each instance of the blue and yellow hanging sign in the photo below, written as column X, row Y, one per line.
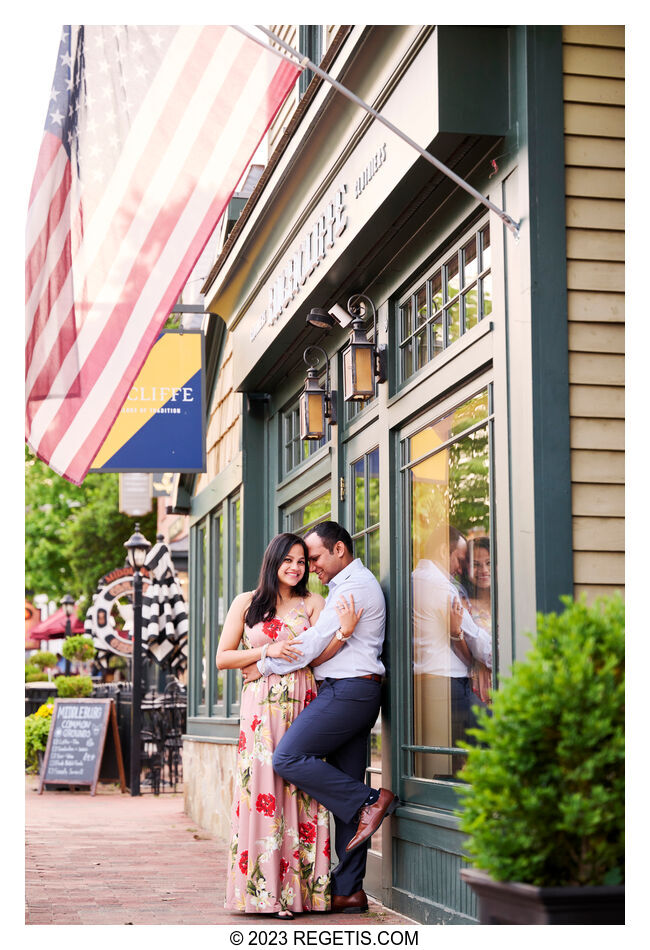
column 161, row 426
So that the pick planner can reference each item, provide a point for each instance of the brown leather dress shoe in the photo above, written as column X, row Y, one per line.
column 371, row 816
column 349, row 904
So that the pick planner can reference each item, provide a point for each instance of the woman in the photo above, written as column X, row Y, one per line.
column 280, row 849
column 479, row 588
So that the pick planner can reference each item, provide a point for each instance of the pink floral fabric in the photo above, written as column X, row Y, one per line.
column 280, row 845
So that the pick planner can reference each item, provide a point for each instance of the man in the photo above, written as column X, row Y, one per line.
column 324, row 750
column 446, row 642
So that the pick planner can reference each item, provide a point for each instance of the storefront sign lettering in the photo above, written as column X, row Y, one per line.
column 312, row 249
column 370, row 170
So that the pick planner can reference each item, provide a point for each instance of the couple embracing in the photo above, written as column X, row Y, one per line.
column 312, row 690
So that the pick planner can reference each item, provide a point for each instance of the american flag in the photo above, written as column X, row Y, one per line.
column 149, row 130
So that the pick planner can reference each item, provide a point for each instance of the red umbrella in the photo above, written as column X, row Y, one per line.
column 55, row 626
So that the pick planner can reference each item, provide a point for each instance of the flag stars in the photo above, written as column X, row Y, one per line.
column 66, row 60
column 53, row 95
column 57, row 117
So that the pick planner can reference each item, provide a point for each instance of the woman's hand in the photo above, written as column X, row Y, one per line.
column 285, row 649
column 348, row 617
column 455, row 617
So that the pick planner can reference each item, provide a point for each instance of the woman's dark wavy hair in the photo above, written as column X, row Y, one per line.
column 263, row 604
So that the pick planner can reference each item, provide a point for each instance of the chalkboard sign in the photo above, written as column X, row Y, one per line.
column 80, row 747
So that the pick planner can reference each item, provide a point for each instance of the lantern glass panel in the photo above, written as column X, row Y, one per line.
column 312, row 415
column 358, row 372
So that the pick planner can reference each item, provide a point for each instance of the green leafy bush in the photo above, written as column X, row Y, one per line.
column 32, row 673
column 69, row 687
column 37, row 729
column 79, row 648
column 43, row 659
column 545, row 800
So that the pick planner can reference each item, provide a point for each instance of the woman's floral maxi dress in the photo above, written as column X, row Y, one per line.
column 280, row 845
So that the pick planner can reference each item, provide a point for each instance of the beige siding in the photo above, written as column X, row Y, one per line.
column 594, row 124
column 223, row 436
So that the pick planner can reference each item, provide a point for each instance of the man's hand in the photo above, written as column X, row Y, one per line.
column 250, row 673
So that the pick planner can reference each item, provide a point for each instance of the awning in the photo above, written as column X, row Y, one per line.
column 55, row 626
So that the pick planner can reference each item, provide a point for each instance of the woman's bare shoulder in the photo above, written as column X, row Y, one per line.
column 314, row 602
column 243, row 601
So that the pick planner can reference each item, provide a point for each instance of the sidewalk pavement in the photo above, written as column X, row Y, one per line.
column 114, row 859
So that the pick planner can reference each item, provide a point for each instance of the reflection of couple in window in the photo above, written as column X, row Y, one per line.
column 452, row 652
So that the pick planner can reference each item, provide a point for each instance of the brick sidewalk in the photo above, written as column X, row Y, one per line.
column 113, row 859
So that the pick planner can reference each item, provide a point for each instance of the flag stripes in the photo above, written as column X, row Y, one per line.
column 112, row 241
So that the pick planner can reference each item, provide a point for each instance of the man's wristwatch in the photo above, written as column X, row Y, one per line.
column 339, row 635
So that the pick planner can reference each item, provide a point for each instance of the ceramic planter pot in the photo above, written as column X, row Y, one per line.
column 503, row 902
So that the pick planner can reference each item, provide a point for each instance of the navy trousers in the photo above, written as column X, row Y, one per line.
column 324, row 753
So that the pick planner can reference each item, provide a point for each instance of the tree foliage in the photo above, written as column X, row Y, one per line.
column 545, row 803
column 79, row 648
column 74, row 534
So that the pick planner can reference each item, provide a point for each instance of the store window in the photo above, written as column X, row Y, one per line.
column 217, row 569
column 365, row 510
column 446, row 482
column 302, row 515
column 294, row 449
column 452, row 298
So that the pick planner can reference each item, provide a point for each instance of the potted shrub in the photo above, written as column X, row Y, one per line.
column 79, row 648
column 69, row 687
column 544, row 807
column 44, row 660
column 37, row 729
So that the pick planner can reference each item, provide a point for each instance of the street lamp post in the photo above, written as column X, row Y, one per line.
column 136, row 547
column 67, row 602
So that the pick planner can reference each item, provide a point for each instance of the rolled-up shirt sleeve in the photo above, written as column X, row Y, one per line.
column 313, row 642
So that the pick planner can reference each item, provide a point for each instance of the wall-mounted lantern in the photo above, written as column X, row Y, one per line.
column 317, row 405
column 363, row 359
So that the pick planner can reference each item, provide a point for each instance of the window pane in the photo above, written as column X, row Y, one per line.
column 470, row 262
column 486, row 254
column 302, row 519
column 407, row 360
column 407, row 318
column 373, row 553
column 420, row 346
column 437, row 336
column 452, row 278
column 487, row 295
column 471, row 308
column 451, row 585
column 235, row 507
column 373, row 487
column 436, row 291
column 421, row 306
column 218, row 589
column 359, row 500
column 453, row 322
column 204, row 619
